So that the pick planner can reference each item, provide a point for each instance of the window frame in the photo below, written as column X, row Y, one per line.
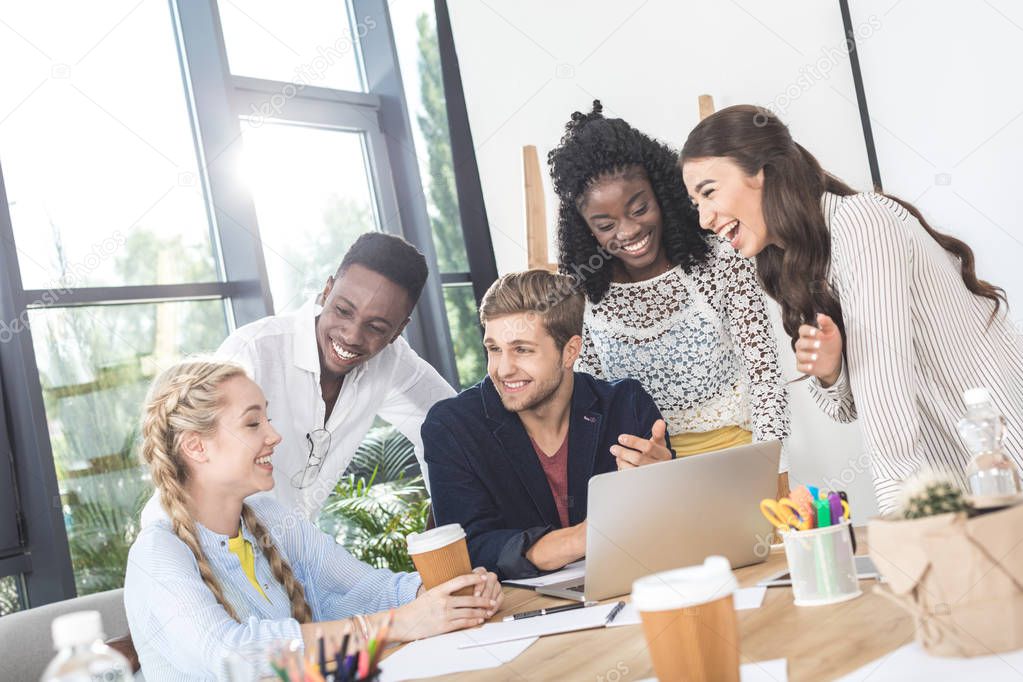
column 216, row 100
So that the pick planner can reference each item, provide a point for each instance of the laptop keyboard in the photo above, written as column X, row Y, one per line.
column 576, row 588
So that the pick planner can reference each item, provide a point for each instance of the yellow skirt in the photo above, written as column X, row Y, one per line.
column 685, row 444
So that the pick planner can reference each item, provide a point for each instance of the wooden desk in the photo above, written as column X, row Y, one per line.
column 820, row 643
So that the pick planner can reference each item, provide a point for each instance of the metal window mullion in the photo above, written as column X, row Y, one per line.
column 455, row 278
column 16, row 565
column 148, row 293
column 259, row 107
column 51, row 577
column 479, row 247
column 232, row 211
column 393, row 151
column 290, row 90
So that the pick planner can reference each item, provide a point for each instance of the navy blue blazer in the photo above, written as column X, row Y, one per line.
column 485, row 474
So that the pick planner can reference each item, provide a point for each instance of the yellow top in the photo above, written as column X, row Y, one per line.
column 685, row 444
column 242, row 549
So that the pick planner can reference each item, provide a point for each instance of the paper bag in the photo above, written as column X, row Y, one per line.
column 961, row 578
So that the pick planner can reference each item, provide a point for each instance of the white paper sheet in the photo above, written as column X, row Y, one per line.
column 569, row 572
column 761, row 671
column 911, row 662
column 441, row 655
column 749, row 598
column 745, row 598
column 567, row 621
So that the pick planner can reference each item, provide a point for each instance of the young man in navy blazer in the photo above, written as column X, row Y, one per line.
column 510, row 458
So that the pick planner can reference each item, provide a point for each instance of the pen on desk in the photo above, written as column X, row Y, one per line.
column 547, row 612
column 339, row 660
column 321, row 646
column 614, row 612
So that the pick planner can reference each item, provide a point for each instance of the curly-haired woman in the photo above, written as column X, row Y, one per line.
column 682, row 314
column 220, row 574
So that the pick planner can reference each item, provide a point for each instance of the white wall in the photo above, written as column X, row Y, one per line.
column 942, row 87
column 526, row 66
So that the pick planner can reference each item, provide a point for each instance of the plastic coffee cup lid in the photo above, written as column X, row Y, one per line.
column 435, row 538
column 692, row 586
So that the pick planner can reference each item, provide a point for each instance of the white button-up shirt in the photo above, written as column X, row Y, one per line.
column 280, row 354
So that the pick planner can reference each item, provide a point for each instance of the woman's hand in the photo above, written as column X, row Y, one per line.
column 491, row 589
column 437, row 611
column 819, row 350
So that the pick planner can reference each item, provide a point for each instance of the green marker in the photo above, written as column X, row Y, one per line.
column 823, row 513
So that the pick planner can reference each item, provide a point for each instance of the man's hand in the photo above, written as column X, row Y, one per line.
column 559, row 547
column 634, row 451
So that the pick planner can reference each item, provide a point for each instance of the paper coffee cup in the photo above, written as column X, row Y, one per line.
column 689, row 622
column 440, row 554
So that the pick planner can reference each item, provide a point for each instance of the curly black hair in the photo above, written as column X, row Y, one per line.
column 594, row 147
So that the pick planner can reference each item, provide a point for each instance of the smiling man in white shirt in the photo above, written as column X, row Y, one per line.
column 328, row 371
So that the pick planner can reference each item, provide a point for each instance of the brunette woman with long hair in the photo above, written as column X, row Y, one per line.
column 222, row 573
column 886, row 314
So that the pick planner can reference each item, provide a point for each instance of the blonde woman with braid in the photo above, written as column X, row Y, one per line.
column 219, row 574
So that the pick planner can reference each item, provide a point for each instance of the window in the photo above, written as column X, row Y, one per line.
column 415, row 35
column 10, row 594
column 311, row 42
column 163, row 182
column 120, row 271
column 97, row 149
column 95, row 365
column 313, row 198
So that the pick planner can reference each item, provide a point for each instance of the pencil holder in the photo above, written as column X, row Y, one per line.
column 822, row 565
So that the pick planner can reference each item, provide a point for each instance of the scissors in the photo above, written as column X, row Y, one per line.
column 839, row 507
column 784, row 514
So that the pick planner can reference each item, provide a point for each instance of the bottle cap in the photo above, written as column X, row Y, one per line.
column 976, row 396
column 80, row 627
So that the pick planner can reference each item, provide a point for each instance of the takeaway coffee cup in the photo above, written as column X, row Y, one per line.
column 689, row 622
column 440, row 554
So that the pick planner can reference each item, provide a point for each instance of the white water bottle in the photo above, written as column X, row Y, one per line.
column 82, row 656
column 990, row 472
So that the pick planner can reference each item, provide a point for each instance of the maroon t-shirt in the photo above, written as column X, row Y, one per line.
column 556, row 469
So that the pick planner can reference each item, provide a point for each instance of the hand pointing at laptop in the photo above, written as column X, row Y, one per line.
column 633, row 451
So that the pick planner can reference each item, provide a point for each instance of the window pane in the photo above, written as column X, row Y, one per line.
column 95, row 365
column 97, row 146
column 310, row 42
column 463, row 319
column 10, row 597
column 313, row 197
column 415, row 37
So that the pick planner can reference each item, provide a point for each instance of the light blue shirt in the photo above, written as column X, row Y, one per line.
column 181, row 632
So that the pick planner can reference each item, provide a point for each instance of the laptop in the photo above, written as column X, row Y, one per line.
column 674, row 514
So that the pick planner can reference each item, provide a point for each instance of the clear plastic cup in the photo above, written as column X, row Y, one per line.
column 821, row 565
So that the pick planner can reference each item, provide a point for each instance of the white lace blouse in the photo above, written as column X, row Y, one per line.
column 701, row 343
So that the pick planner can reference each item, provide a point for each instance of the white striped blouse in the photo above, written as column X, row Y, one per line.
column 181, row 632
column 916, row 338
